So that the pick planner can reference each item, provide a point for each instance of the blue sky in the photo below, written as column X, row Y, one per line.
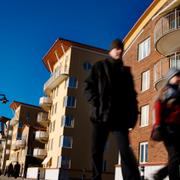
column 29, row 28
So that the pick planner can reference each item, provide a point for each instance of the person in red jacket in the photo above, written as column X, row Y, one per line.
column 167, row 118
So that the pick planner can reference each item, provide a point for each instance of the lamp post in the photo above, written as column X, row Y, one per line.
column 3, row 98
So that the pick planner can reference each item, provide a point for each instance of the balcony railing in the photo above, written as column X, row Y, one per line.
column 42, row 136
column 1, row 147
column 162, row 66
column 45, row 103
column 42, row 118
column 56, row 78
column 40, row 153
column 21, row 143
column 14, row 146
column 165, row 25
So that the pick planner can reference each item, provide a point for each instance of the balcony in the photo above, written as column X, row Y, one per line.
column 20, row 143
column 39, row 153
column 42, row 136
column 1, row 147
column 13, row 158
column 2, row 137
column 14, row 147
column 56, row 78
column 45, row 103
column 167, row 33
column 162, row 66
column 42, row 119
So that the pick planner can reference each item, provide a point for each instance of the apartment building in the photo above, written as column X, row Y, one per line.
column 24, row 147
column 152, row 46
column 5, row 141
column 69, row 128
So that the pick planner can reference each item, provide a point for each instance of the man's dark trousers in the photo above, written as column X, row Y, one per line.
column 128, row 161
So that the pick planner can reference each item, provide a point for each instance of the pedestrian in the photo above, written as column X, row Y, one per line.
column 16, row 169
column 167, row 121
column 109, row 89
column 10, row 170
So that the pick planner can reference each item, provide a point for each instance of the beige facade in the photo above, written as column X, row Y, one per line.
column 69, row 129
column 23, row 143
column 5, row 141
column 151, row 47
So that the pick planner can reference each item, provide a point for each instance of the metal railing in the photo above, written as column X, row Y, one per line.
column 55, row 75
column 163, row 65
column 39, row 152
column 166, row 24
column 42, row 116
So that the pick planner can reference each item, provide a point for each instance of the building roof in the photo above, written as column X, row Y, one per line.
column 15, row 104
column 142, row 21
column 62, row 45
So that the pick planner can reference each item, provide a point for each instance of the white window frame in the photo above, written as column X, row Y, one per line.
column 144, row 49
column 145, row 80
column 60, row 161
column 143, row 152
column 144, row 115
column 63, row 121
column 73, row 85
column 66, row 101
column 63, row 143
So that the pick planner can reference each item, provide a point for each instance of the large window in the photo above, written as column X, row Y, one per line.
column 145, row 80
column 66, row 141
column 64, row 162
column 144, row 115
column 143, row 153
column 69, row 101
column 67, row 121
column 87, row 66
column 20, row 125
column 144, row 49
column 72, row 82
column 19, row 135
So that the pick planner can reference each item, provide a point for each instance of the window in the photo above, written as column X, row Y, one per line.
column 144, row 115
column 145, row 80
column 28, row 117
column 72, row 82
column 65, row 162
column 175, row 61
column 65, row 141
column 19, row 136
column 87, row 66
column 53, row 125
column 51, row 144
column 55, row 108
column 20, row 125
column 144, row 49
column 104, row 165
column 69, row 101
column 52, row 109
column 67, row 121
column 143, row 154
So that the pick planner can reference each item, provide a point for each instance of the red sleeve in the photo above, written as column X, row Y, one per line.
column 157, row 112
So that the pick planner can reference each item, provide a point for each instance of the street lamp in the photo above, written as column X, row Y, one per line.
column 4, row 100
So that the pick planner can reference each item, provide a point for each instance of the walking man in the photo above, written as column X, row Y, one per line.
column 110, row 91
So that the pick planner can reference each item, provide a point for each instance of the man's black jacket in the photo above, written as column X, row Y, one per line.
column 112, row 95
